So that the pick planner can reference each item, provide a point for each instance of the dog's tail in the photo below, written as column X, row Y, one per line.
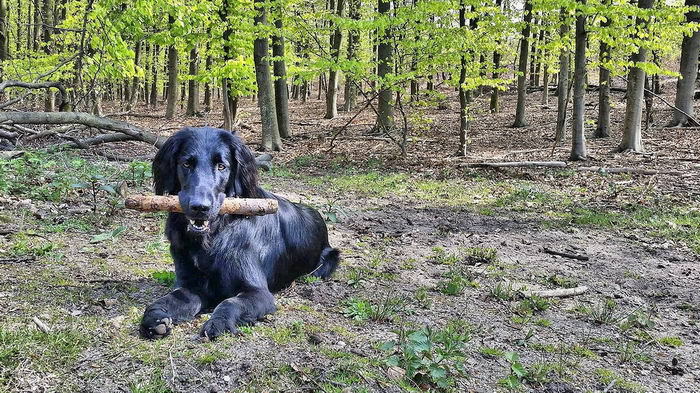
column 330, row 258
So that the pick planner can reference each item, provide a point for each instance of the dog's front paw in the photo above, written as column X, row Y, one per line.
column 156, row 323
column 215, row 327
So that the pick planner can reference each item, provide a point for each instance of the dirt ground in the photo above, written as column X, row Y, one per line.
column 426, row 242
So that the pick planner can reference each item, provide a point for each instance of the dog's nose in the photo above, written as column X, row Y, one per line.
column 201, row 207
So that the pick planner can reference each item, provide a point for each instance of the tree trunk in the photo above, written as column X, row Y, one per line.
column 207, row 86
column 578, row 139
column 463, row 94
column 493, row 104
column 173, row 90
column 688, row 69
column 562, row 82
column 353, row 45
column 385, row 120
column 603, row 128
column 266, row 101
column 280, row 71
column 4, row 38
column 522, row 66
column 332, row 92
column 193, row 85
column 37, row 25
column 133, row 92
column 632, row 132
column 154, row 77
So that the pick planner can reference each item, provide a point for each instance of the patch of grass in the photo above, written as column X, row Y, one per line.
column 503, row 291
column 563, row 282
column 531, row 305
column 629, row 352
column 671, row 341
column 154, row 383
column 456, row 281
column 43, row 352
column 308, row 279
column 423, row 298
column 211, row 356
column 606, row 377
column 382, row 311
column 164, row 277
column 490, row 352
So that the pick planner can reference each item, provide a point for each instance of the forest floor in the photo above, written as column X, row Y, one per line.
column 426, row 242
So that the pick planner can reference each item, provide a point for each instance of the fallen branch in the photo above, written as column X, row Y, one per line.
column 41, row 325
column 85, row 119
column 566, row 254
column 561, row 292
column 170, row 203
column 637, row 171
column 526, row 164
column 63, row 106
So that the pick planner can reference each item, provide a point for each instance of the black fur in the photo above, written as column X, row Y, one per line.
column 235, row 266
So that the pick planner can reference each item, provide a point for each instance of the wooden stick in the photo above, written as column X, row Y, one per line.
column 566, row 254
column 170, row 203
column 561, row 292
column 550, row 164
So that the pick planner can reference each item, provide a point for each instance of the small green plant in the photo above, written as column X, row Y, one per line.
column 432, row 357
column 604, row 312
column 519, row 374
column 308, row 279
column 109, row 235
column 423, row 298
column 563, row 282
column 640, row 319
column 357, row 309
column 356, row 277
column 532, row 305
column 480, row 255
column 330, row 211
column 503, row 291
column 386, row 309
column 164, row 277
column 455, row 284
column 607, row 377
column 491, row 352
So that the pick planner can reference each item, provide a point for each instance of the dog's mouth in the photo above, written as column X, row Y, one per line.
column 198, row 226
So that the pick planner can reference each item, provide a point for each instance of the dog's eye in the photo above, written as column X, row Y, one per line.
column 186, row 164
column 221, row 167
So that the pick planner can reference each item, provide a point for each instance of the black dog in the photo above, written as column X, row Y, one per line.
column 228, row 263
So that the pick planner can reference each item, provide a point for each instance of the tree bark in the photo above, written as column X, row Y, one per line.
column 632, row 132
column 463, row 94
column 385, row 120
column 689, row 70
column 563, row 81
column 133, row 92
column 578, row 139
column 268, row 114
column 193, row 85
column 332, row 92
column 154, row 77
column 353, row 45
column 48, row 24
column 603, row 128
column 4, row 38
column 173, row 90
column 280, row 71
column 207, row 85
column 171, row 203
column 522, row 66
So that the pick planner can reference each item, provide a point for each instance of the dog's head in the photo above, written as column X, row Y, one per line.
column 202, row 166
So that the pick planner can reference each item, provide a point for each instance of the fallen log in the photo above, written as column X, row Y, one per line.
column 636, row 171
column 85, row 119
column 560, row 292
column 525, row 164
column 170, row 203
column 63, row 105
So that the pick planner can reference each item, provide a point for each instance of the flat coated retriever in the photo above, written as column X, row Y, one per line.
column 229, row 263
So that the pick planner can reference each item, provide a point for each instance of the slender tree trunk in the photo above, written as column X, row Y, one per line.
column 385, row 120
column 332, row 92
column 154, row 76
column 463, row 94
column 689, row 70
column 632, row 134
column 37, row 25
column 353, row 44
column 18, row 26
column 578, row 140
column 4, row 38
column 603, row 128
column 562, row 82
column 193, row 85
column 268, row 114
column 173, row 90
column 280, row 71
column 48, row 24
column 133, row 89
column 493, row 104
column 522, row 66
column 207, row 86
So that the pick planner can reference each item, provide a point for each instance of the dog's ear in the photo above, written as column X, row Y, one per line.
column 243, row 181
column 164, row 167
